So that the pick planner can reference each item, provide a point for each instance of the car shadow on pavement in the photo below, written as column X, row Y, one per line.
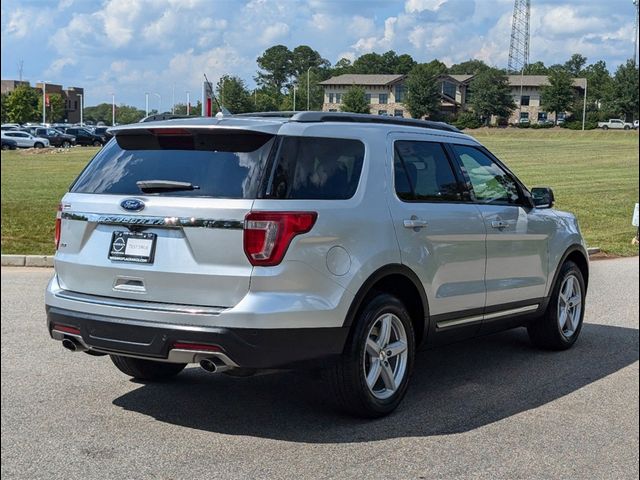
column 454, row 389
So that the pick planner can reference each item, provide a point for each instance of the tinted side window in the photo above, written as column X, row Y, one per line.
column 316, row 168
column 423, row 172
column 491, row 184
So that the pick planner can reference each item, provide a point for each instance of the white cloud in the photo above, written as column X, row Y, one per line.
column 22, row 21
column 56, row 67
column 413, row 6
column 273, row 33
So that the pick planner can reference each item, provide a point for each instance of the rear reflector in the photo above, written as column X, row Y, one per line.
column 267, row 235
column 66, row 329
column 196, row 346
column 58, row 225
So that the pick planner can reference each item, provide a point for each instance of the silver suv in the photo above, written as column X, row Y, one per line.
column 326, row 240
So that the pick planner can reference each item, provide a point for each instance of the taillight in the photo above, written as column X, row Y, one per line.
column 267, row 235
column 58, row 224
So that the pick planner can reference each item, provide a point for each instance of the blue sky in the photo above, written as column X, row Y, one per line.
column 132, row 46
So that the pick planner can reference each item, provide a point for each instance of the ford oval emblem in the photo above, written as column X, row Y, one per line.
column 132, row 204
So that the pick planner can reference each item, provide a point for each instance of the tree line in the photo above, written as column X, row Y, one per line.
column 289, row 80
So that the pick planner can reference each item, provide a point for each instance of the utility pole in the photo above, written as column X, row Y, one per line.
column 520, row 38
column 308, row 87
column 113, row 109
column 188, row 104
column 295, row 87
column 44, row 103
column 146, row 104
column 584, row 105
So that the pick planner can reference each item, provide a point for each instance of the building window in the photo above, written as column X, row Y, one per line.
column 383, row 98
column 542, row 116
column 367, row 97
column 524, row 100
column 398, row 113
column 331, row 98
column 449, row 89
column 382, row 112
column 400, row 91
column 338, row 98
column 524, row 117
column 75, row 105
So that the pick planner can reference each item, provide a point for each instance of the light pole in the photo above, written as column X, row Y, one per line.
column 308, row 87
column 173, row 98
column 295, row 87
column 146, row 104
column 44, row 102
column 81, row 109
column 584, row 105
column 159, row 101
column 113, row 109
column 188, row 104
column 636, row 3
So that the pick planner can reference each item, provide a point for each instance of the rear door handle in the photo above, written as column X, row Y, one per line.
column 415, row 223
column 499, row 224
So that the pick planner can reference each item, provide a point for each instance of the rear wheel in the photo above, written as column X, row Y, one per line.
column 97, row 144
column 604, row 127
column 66, row 144
column 146, row 369
column 559, row 327
column 372, row 375
column 5, row 146
column 38, row 145
column 626, row 127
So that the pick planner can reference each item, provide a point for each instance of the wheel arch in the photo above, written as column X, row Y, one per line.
column 577, row 254
column 400, row 281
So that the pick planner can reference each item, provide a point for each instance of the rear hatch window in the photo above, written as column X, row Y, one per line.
column 219, row 164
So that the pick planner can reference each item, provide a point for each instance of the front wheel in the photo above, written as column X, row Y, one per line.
column 560, row 326
column 372, row 375
column 66, row 144
column 146, row 369
column 626, row 127
column 38, row 145
column 97, row 144
column 605, row 127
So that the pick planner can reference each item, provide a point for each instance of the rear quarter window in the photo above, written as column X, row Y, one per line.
column 316, row 168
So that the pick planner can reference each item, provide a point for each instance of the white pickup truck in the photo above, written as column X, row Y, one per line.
column 615, row 123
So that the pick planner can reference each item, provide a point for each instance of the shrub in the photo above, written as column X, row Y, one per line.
column 468, row 120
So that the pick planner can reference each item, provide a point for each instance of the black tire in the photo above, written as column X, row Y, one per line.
column 97, row 144
column 38, row 145
column 346, row 379
column 146, row 369
column 626, row 127
column 545, row 332
column 5, row 147
column 66, row 144
column 604, row 127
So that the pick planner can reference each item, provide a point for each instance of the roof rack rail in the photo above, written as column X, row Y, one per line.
column 164, row 116
column 276, row 114
column 367, row 118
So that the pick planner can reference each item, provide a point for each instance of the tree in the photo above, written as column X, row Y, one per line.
column 55, row 111
column 3, row 109
column 536, row 68
column 124, row 114
column 575, row 64
column 22, row 104
column 276, row 65
column 491, row 94
column 304, row 57
column 598, row 83
column 181, row 109
column 387, row 63
column 316, row 92
column 622, row 95
column 472, row 67
column 354, row 101
column 423, row 89
column 559, row 95
column 342, row 67
column 233, row 94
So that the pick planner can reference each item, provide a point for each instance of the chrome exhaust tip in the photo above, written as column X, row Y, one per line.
column 72, row 345
column 208, row 365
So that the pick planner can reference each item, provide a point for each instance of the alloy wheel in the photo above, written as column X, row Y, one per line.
column 385, row 356
column 569, row 305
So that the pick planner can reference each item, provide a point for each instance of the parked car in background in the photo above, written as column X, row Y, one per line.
column 25, row 140
column 635, row 124
column 615, row 123
column 102, row 132
column 8, row 144
column 56, row 137
column 85, row 137
column 10, row 126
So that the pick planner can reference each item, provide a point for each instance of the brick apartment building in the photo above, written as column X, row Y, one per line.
column 385, row 94
column 71, row 96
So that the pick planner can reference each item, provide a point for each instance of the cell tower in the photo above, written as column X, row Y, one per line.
column 519, row 46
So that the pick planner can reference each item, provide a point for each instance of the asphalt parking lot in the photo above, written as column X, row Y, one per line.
column 487, row 408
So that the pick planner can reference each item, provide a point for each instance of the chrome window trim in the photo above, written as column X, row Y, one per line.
column 153, row 221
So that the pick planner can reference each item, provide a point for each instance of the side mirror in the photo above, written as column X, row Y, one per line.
column 543, row 197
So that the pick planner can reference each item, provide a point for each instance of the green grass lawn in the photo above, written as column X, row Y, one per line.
column 594, row 174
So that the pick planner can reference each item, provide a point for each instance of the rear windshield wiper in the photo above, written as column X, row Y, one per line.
column 157, row 186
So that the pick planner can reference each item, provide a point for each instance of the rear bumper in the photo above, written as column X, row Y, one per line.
column 242, row 347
